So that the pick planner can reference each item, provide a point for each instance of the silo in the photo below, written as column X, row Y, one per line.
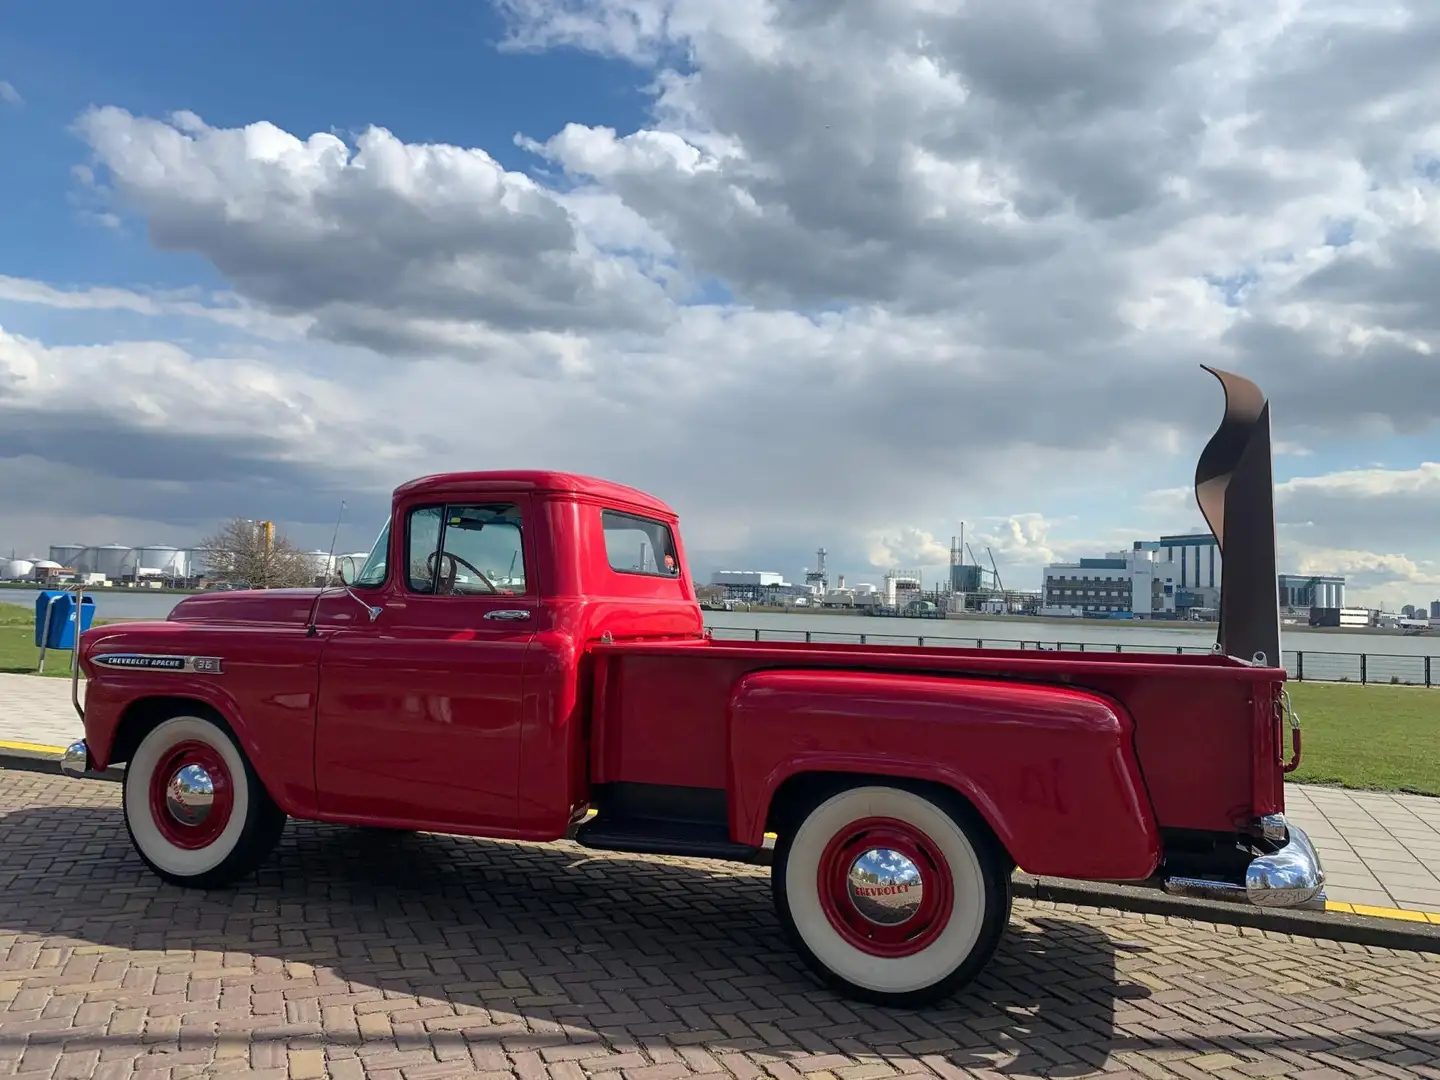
column 66, row 554
column 1339, row 588
column 170, row 561
column 112, row 560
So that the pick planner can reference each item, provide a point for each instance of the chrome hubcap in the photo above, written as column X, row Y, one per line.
column 190, row 795
column 885, row 887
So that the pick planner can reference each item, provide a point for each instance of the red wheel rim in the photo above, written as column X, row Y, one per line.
column 885, row 887
column 191, row 795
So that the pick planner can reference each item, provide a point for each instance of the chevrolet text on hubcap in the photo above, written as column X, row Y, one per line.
column 885, row 887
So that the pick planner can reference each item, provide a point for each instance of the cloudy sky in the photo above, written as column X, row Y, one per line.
column 841, row 273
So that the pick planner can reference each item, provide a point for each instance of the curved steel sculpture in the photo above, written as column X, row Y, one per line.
column 1235, row 487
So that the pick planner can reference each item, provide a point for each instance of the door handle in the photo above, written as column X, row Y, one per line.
column 508, row 615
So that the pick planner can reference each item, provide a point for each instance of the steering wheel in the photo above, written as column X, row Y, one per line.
column 452, row 571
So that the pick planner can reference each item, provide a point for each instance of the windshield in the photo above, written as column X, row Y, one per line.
column 373, row 572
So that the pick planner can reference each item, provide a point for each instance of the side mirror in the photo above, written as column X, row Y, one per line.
column 346, row 570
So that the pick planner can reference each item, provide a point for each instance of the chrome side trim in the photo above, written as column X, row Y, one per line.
column 200, row 665
column 76, row 760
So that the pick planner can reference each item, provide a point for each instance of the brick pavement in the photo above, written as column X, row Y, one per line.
column 1379, row 850
column 362, row 954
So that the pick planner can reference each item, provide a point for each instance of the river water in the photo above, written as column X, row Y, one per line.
column 1131, row 636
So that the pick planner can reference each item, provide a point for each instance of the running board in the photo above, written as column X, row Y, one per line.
column 650, row 836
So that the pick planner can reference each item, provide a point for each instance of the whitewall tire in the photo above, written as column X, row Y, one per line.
column 195, row 810
column 892, row 896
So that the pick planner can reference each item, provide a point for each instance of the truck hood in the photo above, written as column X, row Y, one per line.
column 290, row 607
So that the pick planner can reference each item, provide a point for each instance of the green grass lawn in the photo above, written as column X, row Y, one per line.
column 17, row 644
column 1385, row 738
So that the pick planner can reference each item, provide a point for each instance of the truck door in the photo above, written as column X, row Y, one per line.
column 419, row 713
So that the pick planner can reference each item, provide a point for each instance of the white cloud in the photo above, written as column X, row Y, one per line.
column 404, row 247
column 227, row 310
column 9, row 95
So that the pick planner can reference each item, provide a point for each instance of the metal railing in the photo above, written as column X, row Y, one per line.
column 1302, row 666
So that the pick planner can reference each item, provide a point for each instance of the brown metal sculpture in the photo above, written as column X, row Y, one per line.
column 1235, row 487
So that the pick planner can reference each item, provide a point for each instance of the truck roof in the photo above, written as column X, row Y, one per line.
column 537, row 481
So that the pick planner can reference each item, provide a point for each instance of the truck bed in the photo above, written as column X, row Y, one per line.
column 1206, row 731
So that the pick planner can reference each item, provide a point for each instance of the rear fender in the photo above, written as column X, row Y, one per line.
column 1051, row 769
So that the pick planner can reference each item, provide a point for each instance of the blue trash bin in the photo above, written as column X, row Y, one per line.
column 62, row 621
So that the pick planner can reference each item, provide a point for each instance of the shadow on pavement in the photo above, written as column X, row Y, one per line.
column 551, row 936
column 542, row 946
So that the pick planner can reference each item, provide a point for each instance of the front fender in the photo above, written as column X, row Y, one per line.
column 265, row 692
column 1052, row 770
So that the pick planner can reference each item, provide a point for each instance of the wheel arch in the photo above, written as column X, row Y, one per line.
column 806, row 788
column 144, row 714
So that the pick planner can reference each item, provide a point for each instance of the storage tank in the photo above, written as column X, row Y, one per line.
column 168, row 561
column 65, row 554
column 318, row 561
column 112, row 560
column 1339, row 594
column 19, row 569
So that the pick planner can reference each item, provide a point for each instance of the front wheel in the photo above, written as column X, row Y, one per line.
column 892, row 897
column 195, row 809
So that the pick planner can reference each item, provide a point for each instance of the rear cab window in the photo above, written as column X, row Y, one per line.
column 639, row 545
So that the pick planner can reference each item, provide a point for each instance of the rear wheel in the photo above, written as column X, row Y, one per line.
column 195, row 809
column 891, row 896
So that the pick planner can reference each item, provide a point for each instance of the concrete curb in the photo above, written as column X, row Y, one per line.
column 21, row 758
column 1386, row 933
column 1394, row 932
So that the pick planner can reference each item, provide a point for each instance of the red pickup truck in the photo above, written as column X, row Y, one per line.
column 523, row 656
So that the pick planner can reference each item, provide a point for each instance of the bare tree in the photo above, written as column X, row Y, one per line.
column 253, row 555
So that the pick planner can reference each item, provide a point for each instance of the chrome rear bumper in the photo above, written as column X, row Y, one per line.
column 76, row 760
column 1291, row 877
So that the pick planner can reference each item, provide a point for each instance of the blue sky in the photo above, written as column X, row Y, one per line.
column 432, row 71
column 841, row 282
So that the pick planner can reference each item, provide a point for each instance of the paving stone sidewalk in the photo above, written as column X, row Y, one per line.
column 356, row 954
column 1379, row 850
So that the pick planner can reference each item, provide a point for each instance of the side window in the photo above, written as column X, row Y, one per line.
column 466, row 550
column 636, row 545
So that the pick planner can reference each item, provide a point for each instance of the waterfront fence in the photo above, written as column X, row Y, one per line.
column 1302, row 665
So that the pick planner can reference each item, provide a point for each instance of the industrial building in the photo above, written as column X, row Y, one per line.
column 1122, row 584
column 1197, row 567
column 759, row 587
column 1173, row 577
column 156, row 564
column 1306, row 591
column 120, row 562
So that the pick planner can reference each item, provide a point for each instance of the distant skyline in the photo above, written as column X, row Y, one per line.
column 840, row 276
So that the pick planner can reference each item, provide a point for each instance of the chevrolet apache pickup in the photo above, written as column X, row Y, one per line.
column 522, row 656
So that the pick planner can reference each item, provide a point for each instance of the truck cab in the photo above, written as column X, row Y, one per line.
column 522, row 655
